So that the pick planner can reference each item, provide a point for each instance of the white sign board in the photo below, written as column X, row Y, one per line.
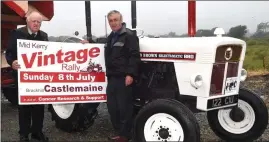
column 56, row 73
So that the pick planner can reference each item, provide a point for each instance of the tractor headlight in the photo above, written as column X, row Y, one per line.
column 196, row 81
column 244, row 74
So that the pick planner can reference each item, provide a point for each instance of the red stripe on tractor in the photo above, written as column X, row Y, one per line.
column 170, row 58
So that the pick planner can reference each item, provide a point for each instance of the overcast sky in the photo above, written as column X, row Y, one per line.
column 163, row 16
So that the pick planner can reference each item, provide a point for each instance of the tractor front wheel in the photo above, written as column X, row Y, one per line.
column 243, row 123
column 166, row 120
column 74, row 117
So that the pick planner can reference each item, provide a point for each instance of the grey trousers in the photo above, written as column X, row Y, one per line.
column 120, row 106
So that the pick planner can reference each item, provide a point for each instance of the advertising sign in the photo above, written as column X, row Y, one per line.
column 56, row 72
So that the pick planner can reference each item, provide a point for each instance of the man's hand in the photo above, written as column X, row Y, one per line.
column 15, row 65
column 84, row 41
column 128, row 80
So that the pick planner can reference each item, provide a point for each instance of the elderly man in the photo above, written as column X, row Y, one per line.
column 122, row 59
column 28, row 114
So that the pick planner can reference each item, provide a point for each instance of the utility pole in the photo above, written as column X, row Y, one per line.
column 106, row 25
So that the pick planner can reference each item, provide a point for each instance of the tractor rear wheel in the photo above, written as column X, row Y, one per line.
column 74, row 117
column 166, row 120
column 244, row 123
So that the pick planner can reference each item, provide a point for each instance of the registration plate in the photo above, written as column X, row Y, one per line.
column 222, row 101
column 231, row 85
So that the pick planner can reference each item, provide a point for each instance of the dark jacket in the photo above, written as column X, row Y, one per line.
column 122, row 57
column 21, row 33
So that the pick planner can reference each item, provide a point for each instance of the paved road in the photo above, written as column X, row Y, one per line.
column 98, row 132
column 102, row 127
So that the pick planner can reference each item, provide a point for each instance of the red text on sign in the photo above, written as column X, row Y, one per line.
column 81, row 56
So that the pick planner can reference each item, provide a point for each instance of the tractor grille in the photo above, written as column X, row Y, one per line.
column 221, row 53
column 232, row 70
column 217, row 79
column 225, row 66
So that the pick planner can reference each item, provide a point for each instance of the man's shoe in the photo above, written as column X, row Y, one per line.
column 39, row 137
column 113, row 138
column 121, row 139
column 24, row 138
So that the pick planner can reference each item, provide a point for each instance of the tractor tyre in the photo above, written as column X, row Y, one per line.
column 243, row 123
column 74, row 117
column 166, row 120
column 11, row 94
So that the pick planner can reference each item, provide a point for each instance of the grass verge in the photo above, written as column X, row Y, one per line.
column 257, row 56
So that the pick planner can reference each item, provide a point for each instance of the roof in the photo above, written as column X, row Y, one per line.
column 23, row 8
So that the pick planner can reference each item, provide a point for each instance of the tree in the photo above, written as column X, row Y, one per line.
column 263, row 27
column 85, row 37
column 262, row 30
column 151, row 36
column 238, row 31
column 52, row 38
column 204, row 32
column 172, row 34
column 213, row 29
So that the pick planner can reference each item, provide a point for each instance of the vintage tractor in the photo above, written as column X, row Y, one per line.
column 14, row 13
column 180, row 77
column 92, row 67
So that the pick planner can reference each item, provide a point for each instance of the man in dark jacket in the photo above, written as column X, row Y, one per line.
column 122, row 57
column 27, row 113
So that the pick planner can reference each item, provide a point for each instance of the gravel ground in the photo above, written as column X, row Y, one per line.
column 9, row 120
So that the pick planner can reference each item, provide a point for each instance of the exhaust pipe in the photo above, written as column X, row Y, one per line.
column 88, row 20
column 133, row 15
column 191, row 18
column 133, row 12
